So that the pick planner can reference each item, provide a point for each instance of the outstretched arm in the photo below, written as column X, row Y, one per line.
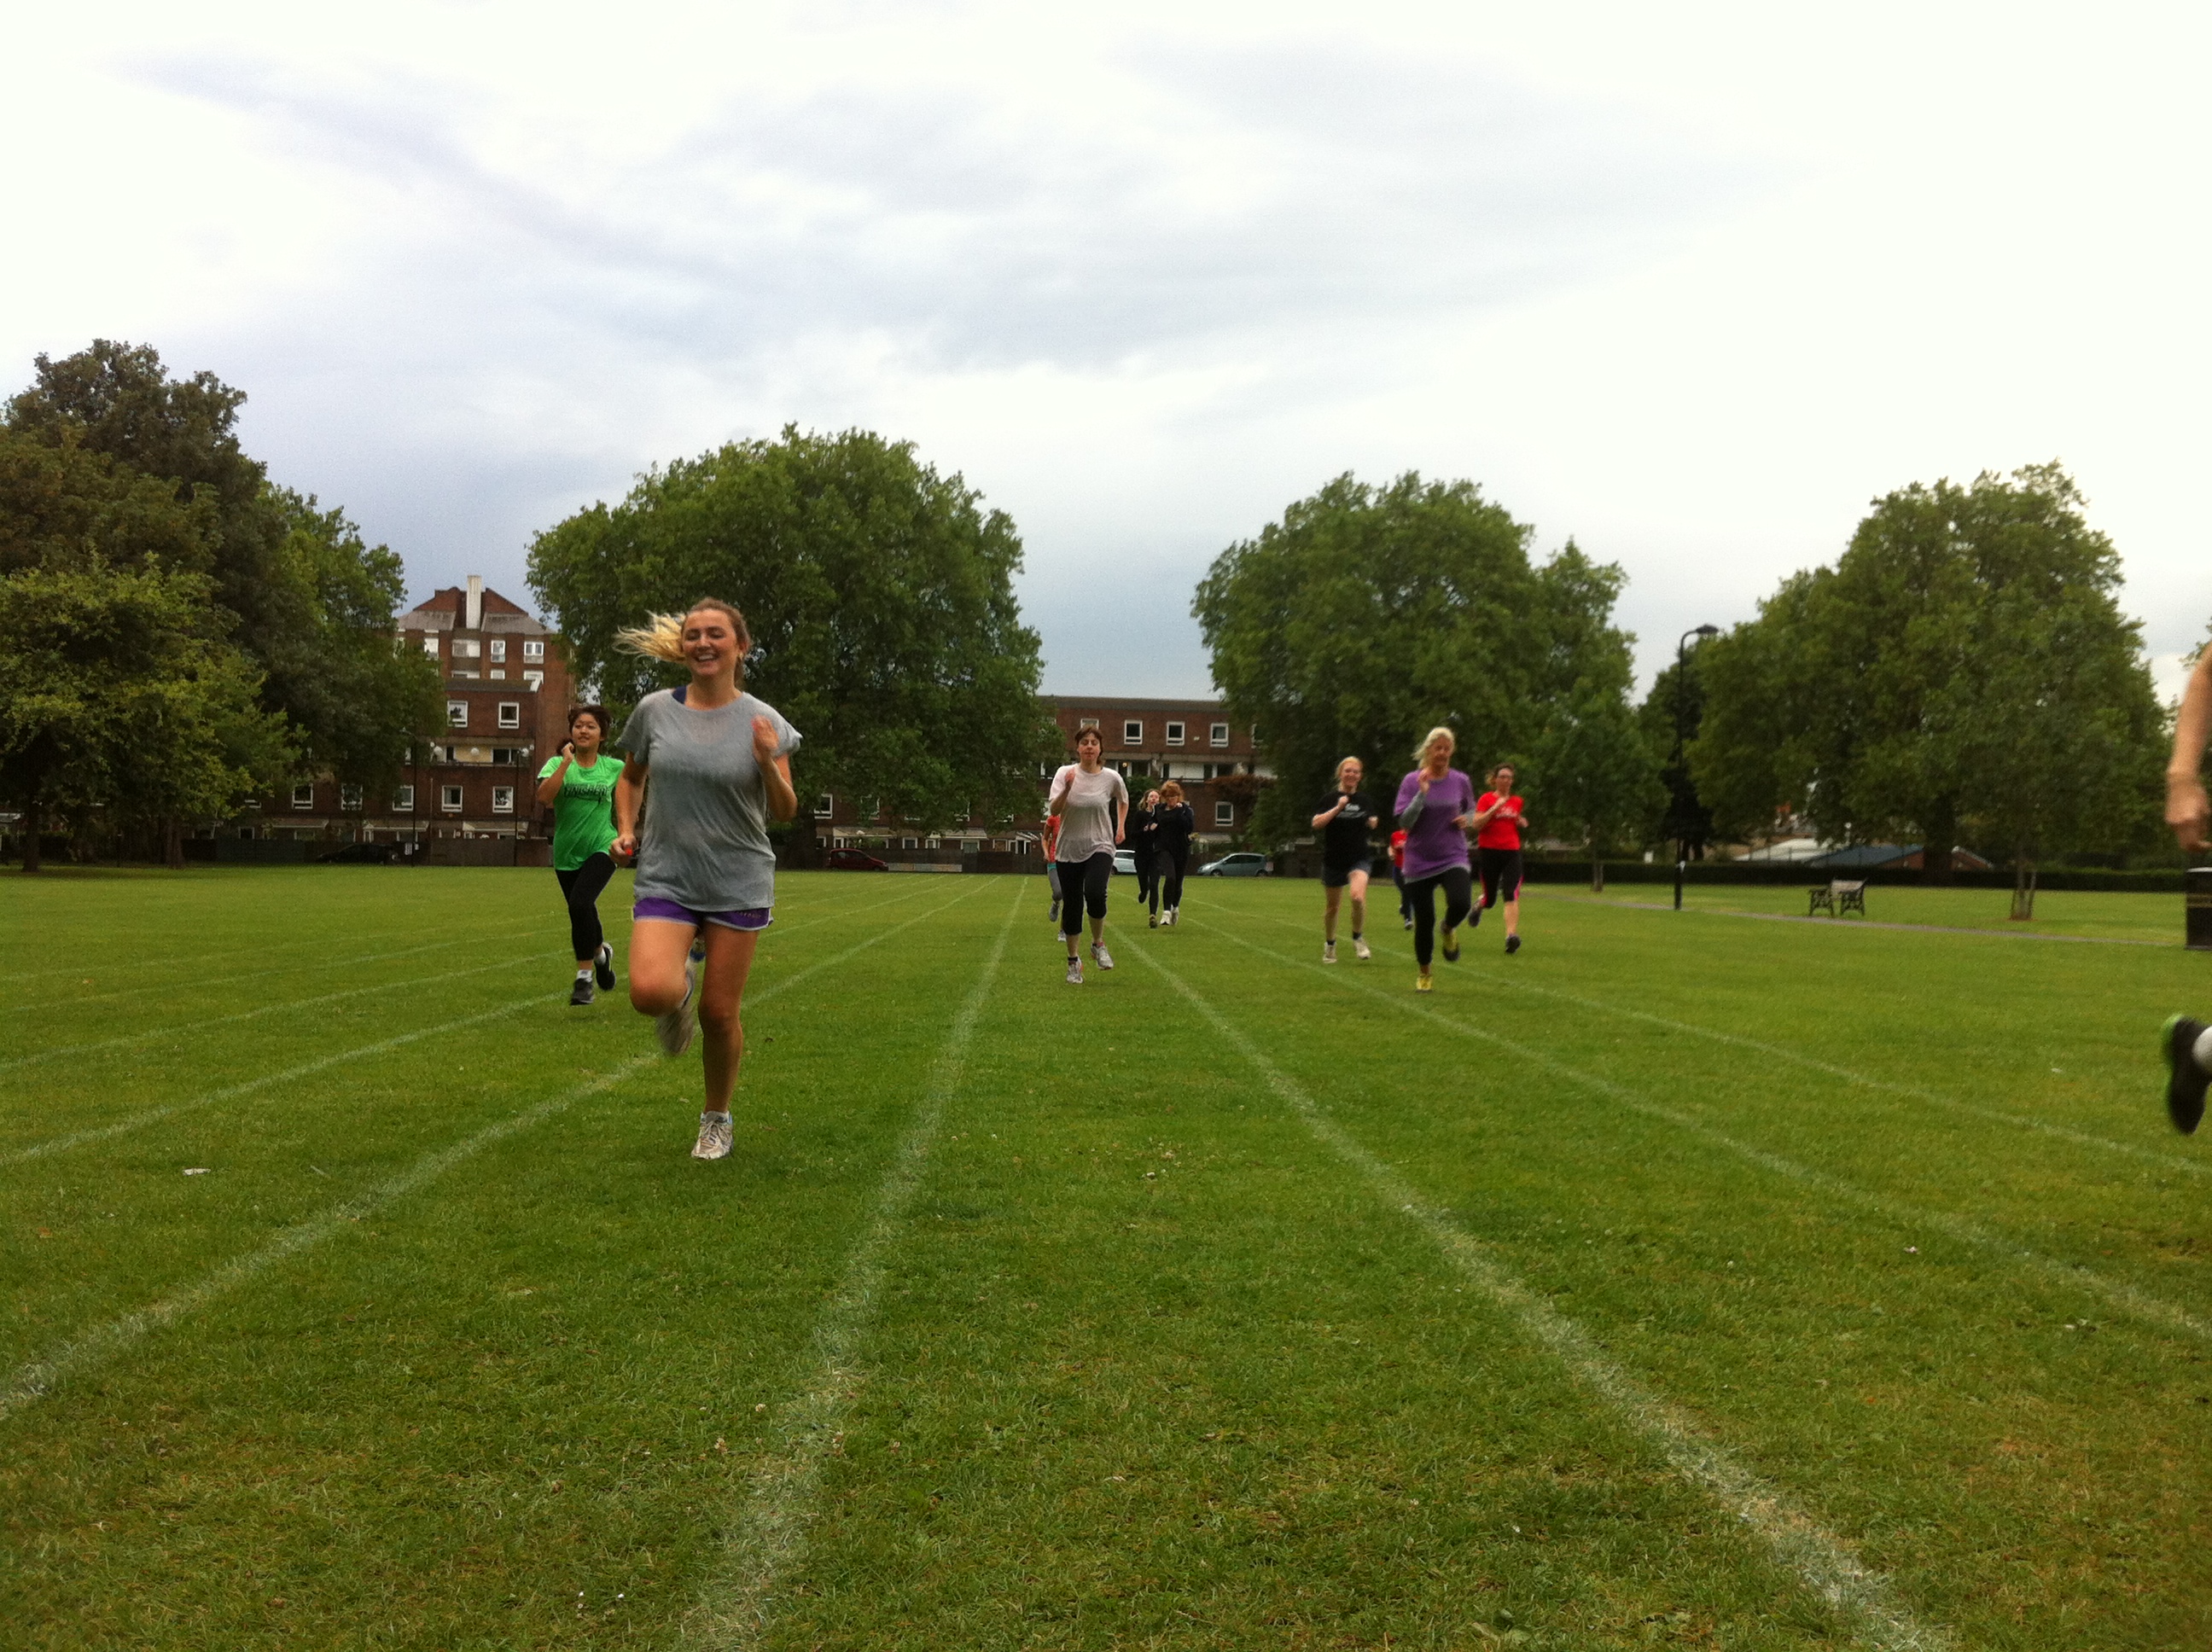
column 2186, row 808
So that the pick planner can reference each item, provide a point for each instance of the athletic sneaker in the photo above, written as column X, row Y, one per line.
column 1360, row 950
column 674, row 1027
column 581, row 993
column 2185, row 1079
column 1408, row 918
column 1451, row 948
column 1424, row 983
column 1474, row 918
column 1512, row 944
column 1328, row 951
column 1153, row 922
column 1055, row 912
column 713, row 1136
column 604, row 967
column 1075, row 972
column 1100, row 955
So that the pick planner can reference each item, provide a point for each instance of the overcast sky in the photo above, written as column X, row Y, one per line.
column 1691, row 284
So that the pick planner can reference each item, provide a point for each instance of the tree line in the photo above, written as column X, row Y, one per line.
column 178, row 632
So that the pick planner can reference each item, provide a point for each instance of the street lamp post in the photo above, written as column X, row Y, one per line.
column 1681, row 672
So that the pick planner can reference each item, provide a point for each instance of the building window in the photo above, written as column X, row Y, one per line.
column 402, row 801
column 1175, row 733
column 1132, row 733
column 1224, row 814
column 449, row 799
column 909, row 844
column 457, row 714
column 499, row 674
column 533, row 650
column 824, row 806
column 502, row 799
column 510, row 753
column 499, row 648
column 348, row 797
column 431, row 645
column 303, row 797
column 467, row 648
column 535, row 679
column 510, row 716
column 1220, row 734
column 1082, row 723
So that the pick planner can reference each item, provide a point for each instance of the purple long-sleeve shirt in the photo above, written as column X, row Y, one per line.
column 1434, row 843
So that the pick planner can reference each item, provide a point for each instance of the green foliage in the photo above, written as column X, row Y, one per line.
column 880, row 599
column 1963, row 674
column 1679, row 691
column 1595, row 780
column 1368, row 615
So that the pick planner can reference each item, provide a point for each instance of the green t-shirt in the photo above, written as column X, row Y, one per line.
column 584, row 811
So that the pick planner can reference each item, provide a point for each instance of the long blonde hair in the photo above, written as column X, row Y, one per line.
column 661, row 636
column 1439, row 732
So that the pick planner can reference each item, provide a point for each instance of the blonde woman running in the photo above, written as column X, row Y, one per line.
column 717, row 762
column 1435, row 806
column 1346, row 821
column 1092, row 803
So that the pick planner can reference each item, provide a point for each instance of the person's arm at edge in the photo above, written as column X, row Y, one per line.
column 629, row 792
column 549, row 787
column 2187, row 810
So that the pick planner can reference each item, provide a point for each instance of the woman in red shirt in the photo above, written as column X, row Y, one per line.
column 1498, row 823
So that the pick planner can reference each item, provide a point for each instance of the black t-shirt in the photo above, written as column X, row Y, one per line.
column 1175, row 825
column 1345, row 839
column 1143, row 831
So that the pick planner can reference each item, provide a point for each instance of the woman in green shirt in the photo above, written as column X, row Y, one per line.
column 579, row 786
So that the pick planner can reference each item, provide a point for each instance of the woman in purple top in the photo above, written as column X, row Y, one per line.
column 1436, row 806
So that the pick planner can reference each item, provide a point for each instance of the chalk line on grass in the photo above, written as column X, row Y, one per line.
column 1843, row 926
column 2117, row 1293
column 1795, row 1540
column 772, row 1529
column 31, row 1382
column 1796, row 1057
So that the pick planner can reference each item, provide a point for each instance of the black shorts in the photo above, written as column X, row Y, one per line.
column 1335, row 877
column 1501, row 875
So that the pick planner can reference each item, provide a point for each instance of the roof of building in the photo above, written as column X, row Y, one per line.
column 1112, row 702
column 443, row 610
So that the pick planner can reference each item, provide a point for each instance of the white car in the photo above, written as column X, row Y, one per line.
column 1125, row 861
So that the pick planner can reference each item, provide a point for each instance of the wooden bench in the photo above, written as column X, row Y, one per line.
column 1837, row 898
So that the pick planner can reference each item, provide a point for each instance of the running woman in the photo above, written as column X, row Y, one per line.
column 717, row 762
column 1499, row 821
column 1092, row 803
column 578, row 786
column 1144, row 847
column 1435, row 806
column 1347, row 820
column 1174, row 823
column 2185, row 1042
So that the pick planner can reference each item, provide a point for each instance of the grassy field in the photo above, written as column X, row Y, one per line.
column 1683, row 1281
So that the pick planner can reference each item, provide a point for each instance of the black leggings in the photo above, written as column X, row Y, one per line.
column 1459, row 901
column 1148, row 876
column 1082, row 882
column 1501, row 875
column 580, row 889
column 1167, row 881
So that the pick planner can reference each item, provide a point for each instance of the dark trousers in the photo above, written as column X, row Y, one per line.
column 1459, row 900
column 580, row 889
column 1083, row 884
column 1167, row 876
column 1148, row 875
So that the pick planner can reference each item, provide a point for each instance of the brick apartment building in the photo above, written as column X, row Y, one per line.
column 506, row 706
column 1149, row 741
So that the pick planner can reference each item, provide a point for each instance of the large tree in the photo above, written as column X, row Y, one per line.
column 1593, row 778
column 879, row 594
column 1368, row 615
column 1963, row 675
column 1677, row 699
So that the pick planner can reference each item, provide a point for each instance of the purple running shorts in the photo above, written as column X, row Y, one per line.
column 654, row 907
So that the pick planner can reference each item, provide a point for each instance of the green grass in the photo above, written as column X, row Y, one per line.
column 1230, row 1301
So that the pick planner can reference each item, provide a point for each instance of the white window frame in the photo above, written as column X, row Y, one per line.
column 402, row 800
column 430, row 644
column 1219, row 734
column 457, row 714
column 1082, row 723
column 348, row 797
column 1132, row 732
column 535, row 679
column 449, row 799
column 303, row 797
column 502, row 799
column 533, row 648
column 499, row 648
column 467, row 648
column 1175, row 733
column 1225, row 812
column 510, row 714
column 824, row 806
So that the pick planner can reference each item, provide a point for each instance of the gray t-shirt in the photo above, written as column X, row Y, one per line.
column 703, row 843
column 1086, row 819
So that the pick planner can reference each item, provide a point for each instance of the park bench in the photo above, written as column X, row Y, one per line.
column 1837, row 898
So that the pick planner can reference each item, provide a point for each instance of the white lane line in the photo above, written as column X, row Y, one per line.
column 33, row 1382
column 1910, row 1092
column 1796, row 1541
column 2118, row 1293
column 770, row 1534
column 1845, row 926
column 154, row 1115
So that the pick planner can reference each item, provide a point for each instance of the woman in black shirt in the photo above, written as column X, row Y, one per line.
column 1345, row 819
column 1144, row 843
column 1172, row 826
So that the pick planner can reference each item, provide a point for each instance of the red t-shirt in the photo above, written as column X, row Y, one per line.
column 1500, row 833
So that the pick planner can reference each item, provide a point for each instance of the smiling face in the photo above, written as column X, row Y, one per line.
column 1348, row 775
column 713, row 644
column 584, row 734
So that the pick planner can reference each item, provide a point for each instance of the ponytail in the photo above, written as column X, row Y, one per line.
column 661, row 636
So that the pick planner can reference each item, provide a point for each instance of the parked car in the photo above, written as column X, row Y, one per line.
column 360, row 854
column 1243, row 864
column 852, row 860
column 1125, row 862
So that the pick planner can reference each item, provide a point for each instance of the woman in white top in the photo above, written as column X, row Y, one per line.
column 1092, row 803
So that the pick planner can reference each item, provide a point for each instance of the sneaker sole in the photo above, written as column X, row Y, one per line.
column 2186, row 1116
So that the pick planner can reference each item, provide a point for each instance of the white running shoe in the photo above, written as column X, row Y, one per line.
column 675, row 1028
column 713, row 1136
column 1360, row 950
column 1075, row 972
column 1328, row 951
column 1100, row 955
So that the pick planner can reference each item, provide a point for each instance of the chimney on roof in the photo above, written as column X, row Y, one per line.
column 476, row 603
